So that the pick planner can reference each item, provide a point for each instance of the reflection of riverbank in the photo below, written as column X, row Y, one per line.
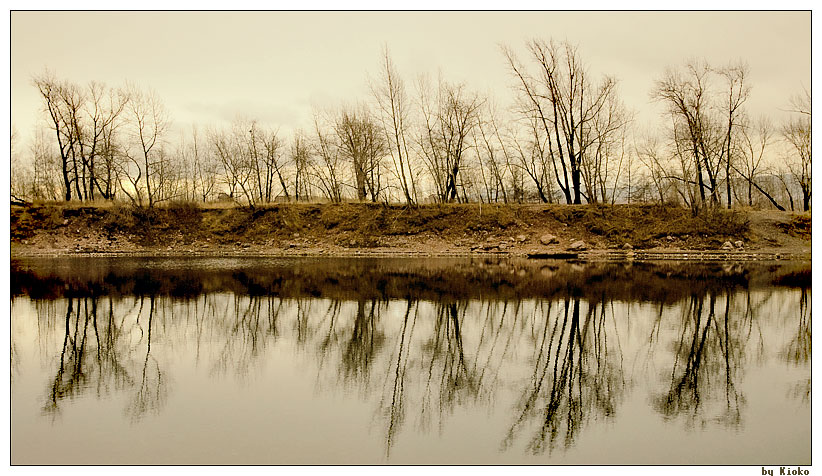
column 398, row 278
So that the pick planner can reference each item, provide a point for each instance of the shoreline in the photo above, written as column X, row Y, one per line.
column 591, row 255
column 561, row 232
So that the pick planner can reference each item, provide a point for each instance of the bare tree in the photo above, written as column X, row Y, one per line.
column 20, row 177
column 491, row 154
column 111, row 155
column 46, row 163
column 686, row 98
column 300, row 154
column 55, row 95
column 235, row 162
column 704, row 121
column 169, row 178
column 797, row 133
column 533, row 157
column 754, row 141
column 362, row 144
column 562, row 98
column 389, row 92
column 84, row 122
column 149, row 122
column 650, row 154
column 449, row 118
column 736, row 94
column 202, row 167
column 605, row 150
column 275, row 160
column 102, row 110
column 327, row 169
column 251, row 162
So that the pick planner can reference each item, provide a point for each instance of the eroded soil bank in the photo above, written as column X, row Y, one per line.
column 377, row 229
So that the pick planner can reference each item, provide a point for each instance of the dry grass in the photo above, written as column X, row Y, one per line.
column 369, row 225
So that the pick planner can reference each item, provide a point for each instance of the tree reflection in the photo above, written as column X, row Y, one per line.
column 577, row 376
column 706, row 356
column 554, row 362
column 448, row 375
column 395, row 403
column 98, row 353
column 364, row 342
column 355, row 338
column 151, row 390
column 249, row 326
column 798, row 350
column 69, row 373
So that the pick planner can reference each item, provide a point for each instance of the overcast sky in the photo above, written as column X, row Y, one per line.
column 209, row 67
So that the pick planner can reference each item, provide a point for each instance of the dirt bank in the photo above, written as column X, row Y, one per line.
column 375, row 229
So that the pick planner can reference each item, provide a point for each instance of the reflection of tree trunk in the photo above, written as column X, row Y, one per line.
column 710, row 342
column 558, row 379
column 583, row 381
column 726, row 349
column 492, row 312
column 333, row 311
column 151, row 393
column 361, row 346
column 798, row 350
column 458, row 341
column 397, row 409
column 689, row 381
column 447, row 347
column 55, row 388
column 73, row 372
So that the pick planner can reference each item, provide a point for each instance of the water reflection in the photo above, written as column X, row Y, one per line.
column 706, row 357
column 798, row 349
column 553, row 364
column 577, row 376
column 106, row 353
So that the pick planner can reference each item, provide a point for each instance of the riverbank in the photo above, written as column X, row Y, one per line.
column 361, row 229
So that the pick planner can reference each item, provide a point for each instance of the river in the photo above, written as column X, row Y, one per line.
column 409, row 361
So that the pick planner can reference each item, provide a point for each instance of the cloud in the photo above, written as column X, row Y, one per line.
column 265, row 112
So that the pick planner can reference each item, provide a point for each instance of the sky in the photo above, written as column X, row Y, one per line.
column 211, row 67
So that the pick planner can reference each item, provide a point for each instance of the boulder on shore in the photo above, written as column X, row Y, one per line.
column 548, row 239
column 578, row 246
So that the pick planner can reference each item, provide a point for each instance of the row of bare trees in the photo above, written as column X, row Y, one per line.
column 103, row 141
column 566, row 138
column 712, row 147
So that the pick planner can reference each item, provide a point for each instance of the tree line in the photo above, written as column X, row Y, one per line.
column 567, row 137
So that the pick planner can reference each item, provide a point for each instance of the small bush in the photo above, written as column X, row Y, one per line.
column 183, row 213
column 799, row 226
column 119, row 218
column 23, row 225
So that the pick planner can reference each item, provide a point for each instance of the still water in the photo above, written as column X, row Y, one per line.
column 397, row 361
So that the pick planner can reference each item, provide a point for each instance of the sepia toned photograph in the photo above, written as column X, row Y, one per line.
column 551, row 238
